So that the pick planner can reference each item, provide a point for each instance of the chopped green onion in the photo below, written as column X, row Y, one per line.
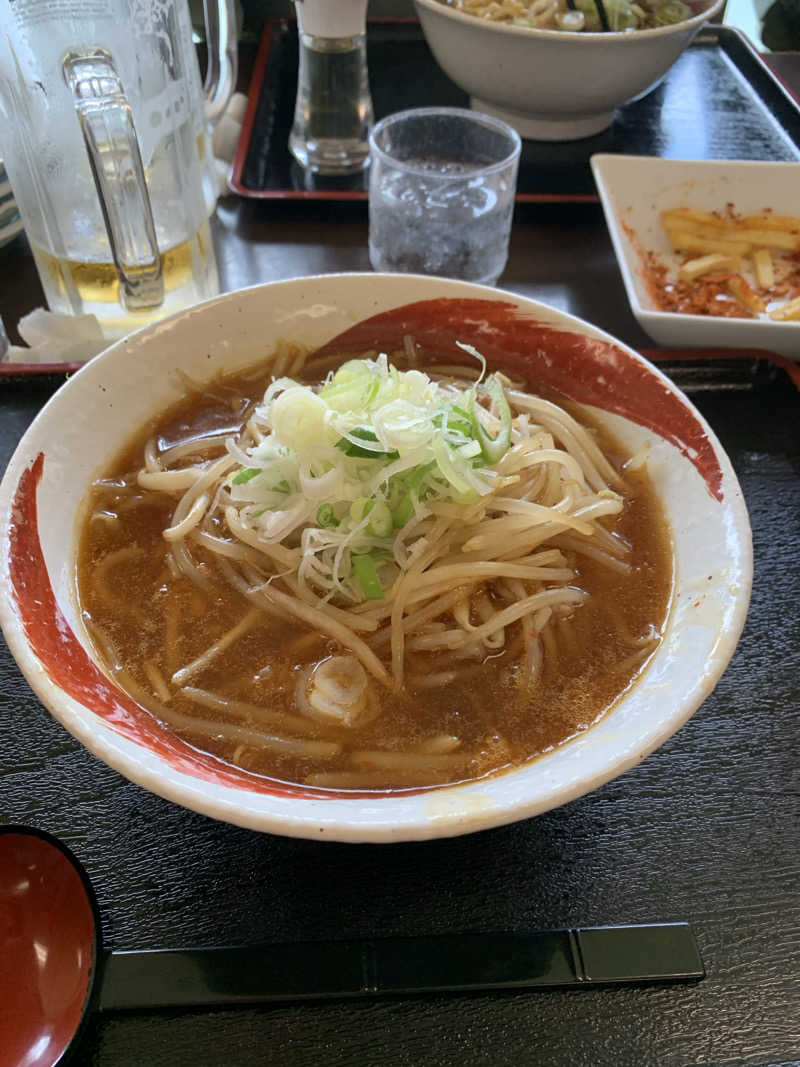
column 419, row 474
column 366, row 575
column 352, row 394
column 358, row 459
column 360, row 508
column 472, row 351
column 672, row 11
column 405, row 486
column 455, row 422
column 623, row 17
column 493, row 448
column 469, row 449
column 380, row 519
column 351, row 449
column 326, row 518
column 364, row 434
column 451, row 466
column 403, row 512
column 590, row 14
column 246, row 474
column 461, row 413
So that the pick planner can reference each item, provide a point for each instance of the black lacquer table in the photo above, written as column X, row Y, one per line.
column 706, row 830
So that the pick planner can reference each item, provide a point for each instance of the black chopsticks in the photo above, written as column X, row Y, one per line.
column 601, row 11
column 584, row 957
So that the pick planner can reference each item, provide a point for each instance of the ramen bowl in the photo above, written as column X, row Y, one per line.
column 111, row 399
column 552, row 85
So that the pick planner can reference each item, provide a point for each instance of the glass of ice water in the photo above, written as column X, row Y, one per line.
column 441, row 193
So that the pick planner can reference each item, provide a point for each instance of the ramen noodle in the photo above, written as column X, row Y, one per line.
column 383, row 573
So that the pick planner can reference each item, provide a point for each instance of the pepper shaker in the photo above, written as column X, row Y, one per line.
column 333, row 111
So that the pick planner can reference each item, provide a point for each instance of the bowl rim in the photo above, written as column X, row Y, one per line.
column 625, row 257
column 344, row 820
column 584, row 36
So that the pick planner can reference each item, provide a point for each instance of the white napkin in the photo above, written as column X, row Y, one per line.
column 225, row 138
column 55, row 338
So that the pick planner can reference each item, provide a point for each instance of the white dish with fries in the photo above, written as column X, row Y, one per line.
column 709, row 251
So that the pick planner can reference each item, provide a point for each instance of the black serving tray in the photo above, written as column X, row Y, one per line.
column 718, row 101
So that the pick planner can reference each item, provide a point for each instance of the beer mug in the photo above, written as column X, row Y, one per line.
column 105, row 135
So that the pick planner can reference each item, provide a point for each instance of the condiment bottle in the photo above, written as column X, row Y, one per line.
column 333, row 112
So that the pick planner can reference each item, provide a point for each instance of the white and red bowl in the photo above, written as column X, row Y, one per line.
column 93, row 414
column 548, row 84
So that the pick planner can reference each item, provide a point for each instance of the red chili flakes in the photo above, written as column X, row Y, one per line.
column 706, row 296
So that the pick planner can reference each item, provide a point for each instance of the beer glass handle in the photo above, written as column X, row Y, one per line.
column 220, row 17
column 107, row 126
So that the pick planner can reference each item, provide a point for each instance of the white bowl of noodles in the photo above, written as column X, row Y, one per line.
column 552, row 84
column 247, row 666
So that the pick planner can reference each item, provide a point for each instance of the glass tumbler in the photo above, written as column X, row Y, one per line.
column 441, row 193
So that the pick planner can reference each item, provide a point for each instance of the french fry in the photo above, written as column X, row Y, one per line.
column 683, row 241
column 746, row 294
column 788, row 313
column 688, row 218
column 696, row 268
column 772, row 222
column 787, row 242
column 709, row 233
column 718, row 242
column 708, row 227
column 764, row 267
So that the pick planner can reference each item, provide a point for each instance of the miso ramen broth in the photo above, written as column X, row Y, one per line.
column 212, row 627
